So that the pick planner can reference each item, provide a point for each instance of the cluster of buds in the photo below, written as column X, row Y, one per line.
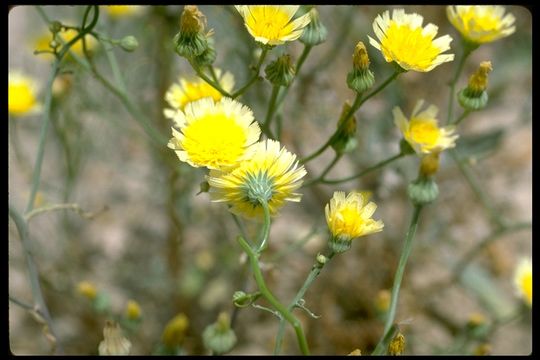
column 474, row 96
column 192, row 42
column 360, row 78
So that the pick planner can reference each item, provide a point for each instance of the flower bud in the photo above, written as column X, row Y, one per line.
column 474, row 96
column 208, row 56
column 191, row 40
column 429, row 164
column 397, row 345
column 87, row 289
column 280, row 71
column 175, row 330
column 133, row 310
column 423, row 191
column 55, row 26
column 129, row 43
column 345, row 140
column 360, row 78
column 321, row 259
column 219, row 337
column 315, row 32
column 382, row 301
column 241, row 299
column 114, row 343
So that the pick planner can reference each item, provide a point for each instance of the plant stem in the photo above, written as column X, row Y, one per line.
column 467, row 50
column 267, row 294
column 406, row 251
column 356, row 105
column 320, row 178
column 366, row 171
column 270, row 112
column 210, row 82
column 265, row 231
column 254, row 77
column 460, row 119
column 56, row 207
column 315, row 271
column 381, row 347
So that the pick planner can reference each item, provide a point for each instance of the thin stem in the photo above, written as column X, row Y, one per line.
column 33, row 273
column 57, row 207
column 381, row 347
column 255, row 75
column 270, row 112
column 467, row 50
column 214, row 84
column 406, row 251
column 267, row 294
column 320, row 178
column 477, row 189
column 366, row 171
column 460, row 119
column 116, row 70
column 265, row 231
column 356, row 105
column 21, row 303
column 213, row 74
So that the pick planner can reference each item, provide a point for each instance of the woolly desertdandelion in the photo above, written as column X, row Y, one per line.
column 481, row 24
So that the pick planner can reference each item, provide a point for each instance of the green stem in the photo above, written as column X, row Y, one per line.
column 460, row 119
column 315, row 271
column 265, row 231
column 406, row 251
column 267, row 294
column 477, row 189
column 356, row 105
column 212, row 83
column 116, row 70
column 467, row 50
column 381, row 347
column 57, row 207
column 254, row 77
column 270, row 112
column 320, row 178
column 364, row 172
column 33, row 273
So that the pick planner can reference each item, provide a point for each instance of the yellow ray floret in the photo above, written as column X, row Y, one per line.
column 349, row 217
column 481, row 23
column 523, row 280
column 270, row 174
column 22, row 95
column 422, row 131
column 404, row 40
column 271, row 24
column 120, row 11
column 214, row 134
column 185, row 91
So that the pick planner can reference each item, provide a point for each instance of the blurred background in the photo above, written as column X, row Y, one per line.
column 156, row 241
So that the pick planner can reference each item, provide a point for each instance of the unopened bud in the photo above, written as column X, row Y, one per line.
column 479, row 80
column 429, row 164
column 129, row 43
column 175, row 330
column 474, row 96
column 219, row 337
column 360, row 78
column 315, row 32
column 133, row 310
column 114, row 343
column 191, row 40
column 321, row 259
column 192, row 20
column 280, row 71
column 397, row 345
column 345, row 140
column 55, row 26
column 87, row 289
column 423, row 191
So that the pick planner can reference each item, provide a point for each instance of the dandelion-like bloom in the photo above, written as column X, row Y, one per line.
column 271, row 174
column 349, row 217
column 422, row 131
column 405, row 41
column 271, row 24
column 523, row 280
column 481, row 23
column 214, row 134
column 120, row 11
column 185, row 91
column 22, row 97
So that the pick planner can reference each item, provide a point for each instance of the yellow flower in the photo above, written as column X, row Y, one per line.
column 87, row 289
column 42, row 42
column 22, row 95
column 133, row 310
column 214, row 134
column 422, row 131
column 120, row 11
column 175, row 330
column 271, row 24
column 270, row 174
column 481, row 23
column 349, row 217
column 523, row 280
column 185, row 91
column 405, row 41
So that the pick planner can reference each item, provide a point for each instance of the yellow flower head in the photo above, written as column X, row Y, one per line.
column 422, row 131
column 214, row 134
column 22, row 93
column 175, row 330
column 405, row 41
column 185, row 91
column 271, row 24
column 87, row 289
column 349, row 217
column 120, row 11
column 42, row 42
column 133, row 310
column 481, row 23
column 270, row 174
column 523, row 280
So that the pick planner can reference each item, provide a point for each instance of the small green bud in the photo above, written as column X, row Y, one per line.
column 204, row 186
column 315, row 32
column 241, row 299
column 280, row 71
column 191, row 41
column 360, row 78
column 423, row 191
column 219, row 337
column 340, row 244
column 474, row 97
column 470, row 102
column 321, row 259
column 208, row 56
column 55, row 26
column 129, row 43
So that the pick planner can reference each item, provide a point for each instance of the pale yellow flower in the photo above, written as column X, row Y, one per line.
column 523, row 280
column 271, row 24
column 422, row 131
column 212, row 134
column 120, row 11
column 404, row 40
column 270, row 174
column 133, row 310
column 185, row 91
column 22, row 94
column 349, row 217
column 481, row 23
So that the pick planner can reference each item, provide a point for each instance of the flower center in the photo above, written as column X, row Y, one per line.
column 348, row 221
column 20, row 98
column 214, row 140
column 269, row 22
column 481, row 20
column 424, row 131
column 409, row 46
